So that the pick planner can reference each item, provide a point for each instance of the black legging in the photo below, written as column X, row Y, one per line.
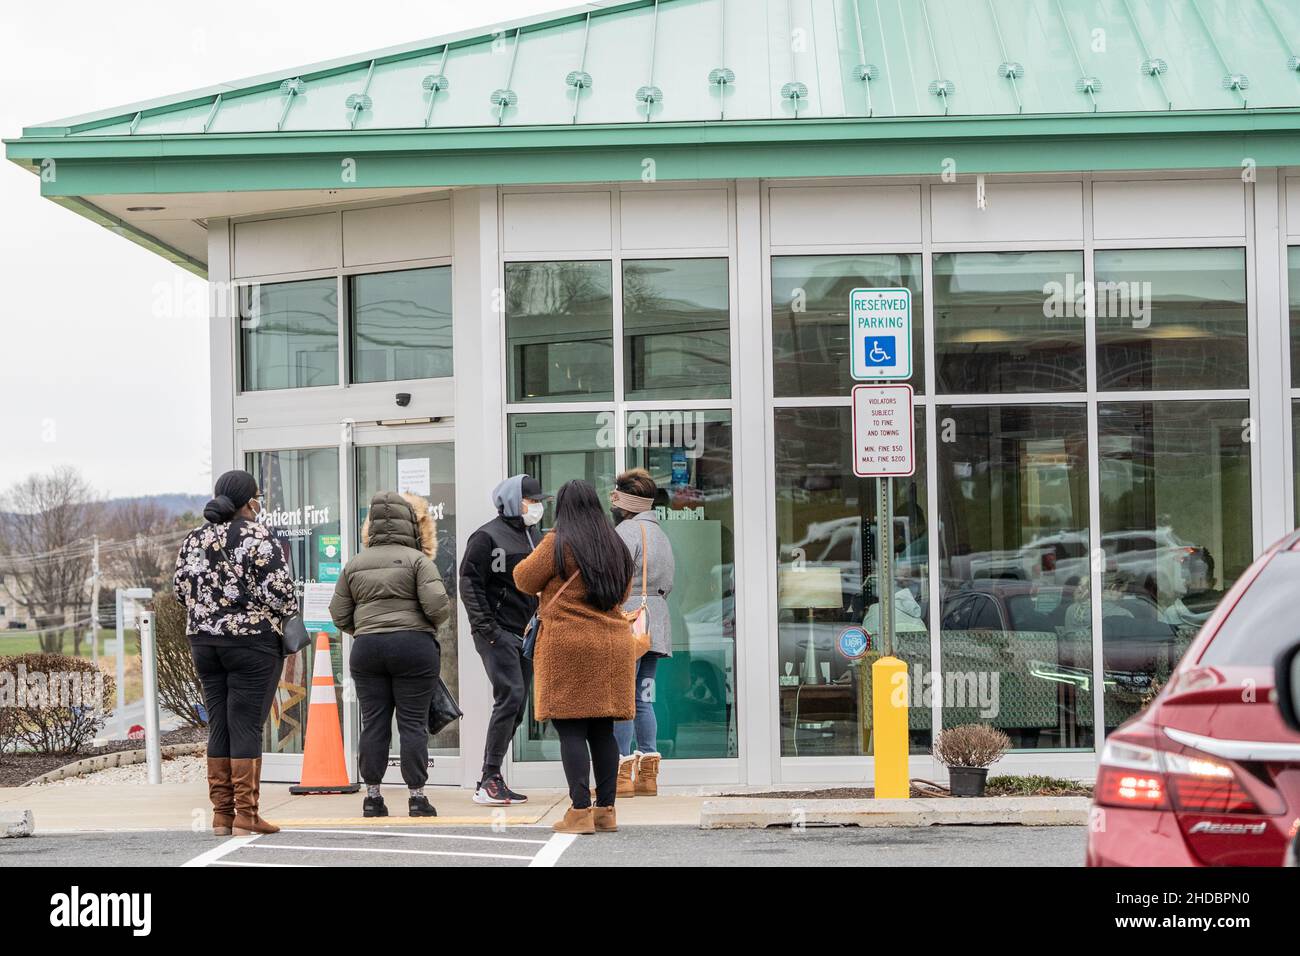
column 576, row 736
column 239, row 684
column 395, row 672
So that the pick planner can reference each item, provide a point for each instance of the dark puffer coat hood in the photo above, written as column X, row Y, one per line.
column 391, row 521
column 391, row 585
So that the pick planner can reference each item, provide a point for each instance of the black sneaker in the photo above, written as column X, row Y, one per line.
column 494, row 792
column 514, row 797
column 374, row 807
column 420, row 807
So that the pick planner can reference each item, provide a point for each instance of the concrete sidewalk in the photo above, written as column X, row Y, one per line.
column 184, row 806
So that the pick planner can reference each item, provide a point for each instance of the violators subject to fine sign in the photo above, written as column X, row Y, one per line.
column 884, row 435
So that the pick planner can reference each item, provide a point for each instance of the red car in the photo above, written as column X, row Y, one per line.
column 1209, row 773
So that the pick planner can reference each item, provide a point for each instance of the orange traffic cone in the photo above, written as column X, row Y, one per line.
column 323, row 768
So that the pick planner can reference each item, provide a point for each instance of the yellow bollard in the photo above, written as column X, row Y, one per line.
column 889, row 719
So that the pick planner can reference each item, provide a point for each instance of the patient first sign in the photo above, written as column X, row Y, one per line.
column 884, row 438
column 880, row 334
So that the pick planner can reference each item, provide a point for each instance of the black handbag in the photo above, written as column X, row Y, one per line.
column 293, row 635
column 443, row 709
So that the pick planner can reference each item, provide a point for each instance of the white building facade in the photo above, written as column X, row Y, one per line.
column 1103, row 368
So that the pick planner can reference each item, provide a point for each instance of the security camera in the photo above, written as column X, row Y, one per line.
column 403, row 399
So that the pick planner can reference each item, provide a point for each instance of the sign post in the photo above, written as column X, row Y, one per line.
column 884, row 448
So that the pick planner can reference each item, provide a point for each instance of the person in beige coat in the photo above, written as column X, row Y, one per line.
column 584, row 663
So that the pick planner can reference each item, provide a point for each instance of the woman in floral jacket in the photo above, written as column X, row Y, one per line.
column 236, row 588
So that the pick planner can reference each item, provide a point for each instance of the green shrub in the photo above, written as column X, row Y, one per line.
column 179, row 689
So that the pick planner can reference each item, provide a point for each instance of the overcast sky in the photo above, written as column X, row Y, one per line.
column 89, row 376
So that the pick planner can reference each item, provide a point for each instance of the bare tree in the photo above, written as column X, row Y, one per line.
column 143, row 538
column 47, row 522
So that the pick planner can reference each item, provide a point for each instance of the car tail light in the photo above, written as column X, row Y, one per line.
column 1135, row 776
column 1130, row 775
column 1201, row 785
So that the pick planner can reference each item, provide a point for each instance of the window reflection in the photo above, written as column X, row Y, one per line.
column 401, row 325
column 559, row 331
column 288, row 334
column 826, row 580
column 1171, row 318
column 676, row 329
column 1176, row 532
column 1016, row 635
column 1008, row 322
column 810, row 318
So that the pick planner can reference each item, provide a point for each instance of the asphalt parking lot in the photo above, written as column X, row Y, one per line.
column 518, row 846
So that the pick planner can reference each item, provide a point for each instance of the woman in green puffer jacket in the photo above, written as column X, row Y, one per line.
column 391, row 599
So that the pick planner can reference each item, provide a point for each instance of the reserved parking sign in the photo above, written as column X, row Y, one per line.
column 880, row 333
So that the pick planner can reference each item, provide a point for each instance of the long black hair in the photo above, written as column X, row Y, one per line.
column 583, row 532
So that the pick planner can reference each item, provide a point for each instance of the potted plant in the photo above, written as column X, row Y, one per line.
column 967, row 751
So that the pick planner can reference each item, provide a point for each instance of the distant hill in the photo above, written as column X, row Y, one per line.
column 174, row 504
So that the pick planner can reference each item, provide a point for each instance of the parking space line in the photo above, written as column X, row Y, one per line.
column 425, row 836
column 249, row 863
column 370, row 849
column 217, row 852
column 555, row 846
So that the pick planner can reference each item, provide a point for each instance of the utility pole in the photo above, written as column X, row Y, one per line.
column 94, row 604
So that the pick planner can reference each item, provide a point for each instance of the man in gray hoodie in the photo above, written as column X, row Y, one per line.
column 498, row 614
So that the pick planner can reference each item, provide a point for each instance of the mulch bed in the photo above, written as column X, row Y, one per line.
column 17, row 769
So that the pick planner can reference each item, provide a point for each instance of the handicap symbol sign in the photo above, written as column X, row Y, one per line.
column 880, row 330
column 881, row 350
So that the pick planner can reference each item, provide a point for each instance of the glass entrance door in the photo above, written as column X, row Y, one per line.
column 426, row 469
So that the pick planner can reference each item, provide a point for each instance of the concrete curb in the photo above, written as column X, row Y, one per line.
column 16, row 823
column 744, row 813
column 118, row 758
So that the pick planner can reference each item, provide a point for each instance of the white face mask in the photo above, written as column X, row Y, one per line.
column 533, row 513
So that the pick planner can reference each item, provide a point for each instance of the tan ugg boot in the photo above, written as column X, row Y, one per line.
column 626, row 767
column 576, row 821
column 647, row 775
column 605, row 819
column 221, row 791
column 246, row 776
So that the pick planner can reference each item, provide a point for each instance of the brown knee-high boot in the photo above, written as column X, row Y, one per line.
column 247, row 777
column 221, row 791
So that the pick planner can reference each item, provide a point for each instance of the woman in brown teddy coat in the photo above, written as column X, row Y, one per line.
column 584, row 663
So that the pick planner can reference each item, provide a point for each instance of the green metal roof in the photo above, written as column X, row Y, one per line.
column 711, row 89
column 695, row 61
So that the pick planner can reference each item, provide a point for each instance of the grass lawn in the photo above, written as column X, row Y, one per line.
column 13, row 643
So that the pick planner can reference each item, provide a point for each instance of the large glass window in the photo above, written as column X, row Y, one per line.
column 810, row 318
column 401, row 325
column 1176, row 532
column 300, row 499
column 827, row 530
column 676, row 329
column 1016, row 625
column 689, row 455
column 559, row 331
column 1171, row 318
column 1009, row 322
column 1293, row 296
column 427, row 470
column 289, row 334
column 555, row 448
